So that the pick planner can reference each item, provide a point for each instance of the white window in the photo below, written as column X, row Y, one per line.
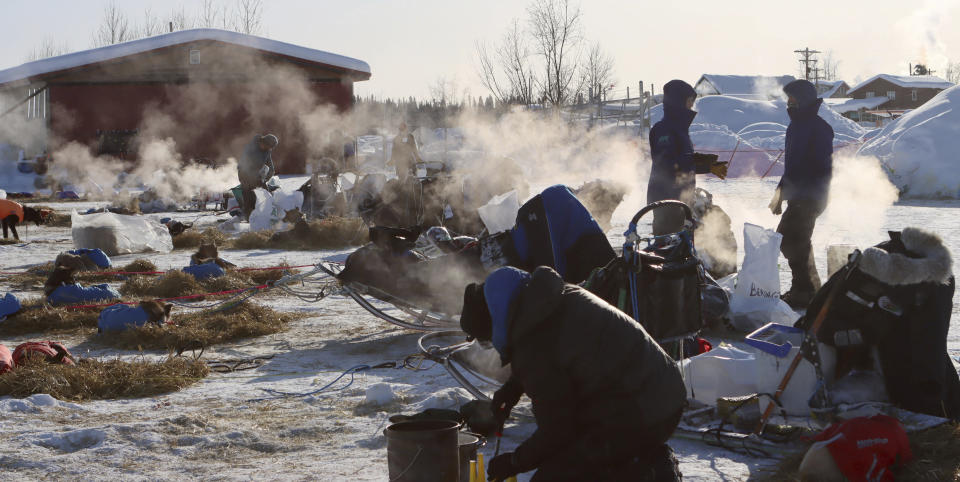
column 869, row 95
column 892, row 94
column 194, row 57
column 913, row 95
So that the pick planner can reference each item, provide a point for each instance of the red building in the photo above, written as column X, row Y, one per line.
column 209, row 90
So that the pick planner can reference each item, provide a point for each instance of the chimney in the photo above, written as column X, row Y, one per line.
column 171, row 27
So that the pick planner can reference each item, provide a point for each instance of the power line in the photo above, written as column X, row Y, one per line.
column 808, row 57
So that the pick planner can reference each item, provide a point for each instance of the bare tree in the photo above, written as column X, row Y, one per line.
column 507, row 72
column 213, row 15
column 47, row 48
column 555, row 26
column 831, row 67
column 114, row 27
column 180, row 20
column 596, row 73
column 249, row 16
column 152, row 25
column 952, row 72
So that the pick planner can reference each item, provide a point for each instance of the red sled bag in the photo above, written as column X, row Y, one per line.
column 6, row 360
column 862, row 449
column 51, row 351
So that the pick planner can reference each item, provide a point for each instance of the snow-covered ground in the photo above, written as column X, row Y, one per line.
column 221, row 429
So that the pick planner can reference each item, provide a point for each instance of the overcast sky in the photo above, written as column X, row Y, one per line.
column 410, row 44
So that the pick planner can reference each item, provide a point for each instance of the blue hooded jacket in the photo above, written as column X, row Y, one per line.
column 672, row 175
column 808, row 147
column 500, row 290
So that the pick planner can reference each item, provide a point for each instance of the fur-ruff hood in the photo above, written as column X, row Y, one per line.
column 933, row 262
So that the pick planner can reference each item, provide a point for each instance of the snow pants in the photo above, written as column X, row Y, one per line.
column 796, row 226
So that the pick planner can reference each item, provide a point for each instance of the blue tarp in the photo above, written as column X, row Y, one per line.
column 75, row 294
column 122, row 317
column 9, row 305
column 96, row 255
column 205, row 270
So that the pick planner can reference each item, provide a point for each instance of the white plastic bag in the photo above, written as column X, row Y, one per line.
column 500, row 213
column 756, row 299
column 263, row 216
column 117, row 234
column 271, row 207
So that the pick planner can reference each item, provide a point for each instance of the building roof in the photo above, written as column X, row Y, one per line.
column 832, row 86
column 744, row 85
column 73, row 60
column 848, row 104
column 909, row 81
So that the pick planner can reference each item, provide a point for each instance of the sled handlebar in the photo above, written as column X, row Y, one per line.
column 687, row 212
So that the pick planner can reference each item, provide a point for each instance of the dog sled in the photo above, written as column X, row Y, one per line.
column 370, row 298
column 657, row 280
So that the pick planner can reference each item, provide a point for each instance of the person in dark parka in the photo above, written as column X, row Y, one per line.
column 808, row 168
column 675, row 165
column 606, row 397
column 254, row 167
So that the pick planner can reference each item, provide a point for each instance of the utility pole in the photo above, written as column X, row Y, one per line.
column 807, row 59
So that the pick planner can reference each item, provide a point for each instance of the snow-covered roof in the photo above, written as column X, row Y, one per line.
column 740, row 85
column 909, row 81
column 110, row 52
column 830, row 87
column 847, row 104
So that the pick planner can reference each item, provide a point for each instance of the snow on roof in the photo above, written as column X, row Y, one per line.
column 832, row 86
column 745, row 84
column 848, row 104
column 909, row 81
column 92, row 56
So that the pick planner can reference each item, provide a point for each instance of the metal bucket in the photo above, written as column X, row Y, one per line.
column 423, row 450
column 469, row 444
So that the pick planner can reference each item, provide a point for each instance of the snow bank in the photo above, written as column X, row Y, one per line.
column 755, row 128
column 920, row 150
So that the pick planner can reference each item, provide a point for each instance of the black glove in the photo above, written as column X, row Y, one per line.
column 501, row 467
column 703, row 162
column 699, row 157
column 505, row 399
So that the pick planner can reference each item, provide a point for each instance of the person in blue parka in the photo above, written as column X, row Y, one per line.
column 675, row 165
column 605, row 396
column 808, row 168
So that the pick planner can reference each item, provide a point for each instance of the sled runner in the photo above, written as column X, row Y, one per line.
column 417, row 318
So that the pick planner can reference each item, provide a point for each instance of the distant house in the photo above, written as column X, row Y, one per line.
column 859, row 110
column 209, row 90
column 832, row 89
column 903, row 92
column 756, row 87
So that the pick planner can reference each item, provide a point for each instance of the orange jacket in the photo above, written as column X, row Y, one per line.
column 8, row 207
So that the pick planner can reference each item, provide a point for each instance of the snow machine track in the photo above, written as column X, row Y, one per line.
column 421, row 320
column 444, row 356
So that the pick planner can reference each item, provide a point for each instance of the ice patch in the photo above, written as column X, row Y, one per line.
column 72, row 441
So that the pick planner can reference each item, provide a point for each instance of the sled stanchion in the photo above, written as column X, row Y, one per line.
column 812, row 333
